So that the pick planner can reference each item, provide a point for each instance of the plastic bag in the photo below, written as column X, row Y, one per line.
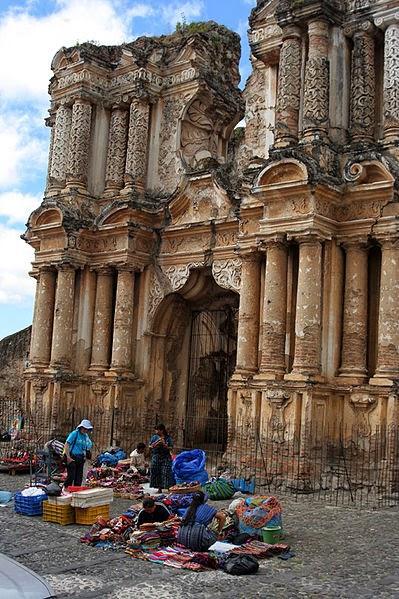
column 189, row 466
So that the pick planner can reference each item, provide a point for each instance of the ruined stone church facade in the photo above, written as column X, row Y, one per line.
column 189, row 267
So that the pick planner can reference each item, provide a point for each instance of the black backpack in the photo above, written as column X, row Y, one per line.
column 241, row 564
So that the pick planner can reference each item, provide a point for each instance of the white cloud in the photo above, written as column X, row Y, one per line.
column 15, row 258
column 178, row 12
column 15, row 207
column 22, row 151
column 31, row 41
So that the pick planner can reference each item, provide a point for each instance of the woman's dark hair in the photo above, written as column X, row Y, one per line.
column 162, row 428
column 148, row 502
column 140, row 446
column 198, row 499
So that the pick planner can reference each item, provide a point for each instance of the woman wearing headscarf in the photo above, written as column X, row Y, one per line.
column 77, row 444
column 194, row 532
column 161, row 459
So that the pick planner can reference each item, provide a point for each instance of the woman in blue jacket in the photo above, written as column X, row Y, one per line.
column 77, row 445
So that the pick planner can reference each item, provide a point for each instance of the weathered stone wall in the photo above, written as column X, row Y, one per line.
column 13, row 353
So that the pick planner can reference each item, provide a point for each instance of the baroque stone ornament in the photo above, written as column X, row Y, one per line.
column 198, row 136
column 289, row 85
column 116, row 149
column 78, row 158
column 62, row 132
column 278, row 400
column 363, row 404
column 156, row 293
column 391, row 80
column 317, row 80
column 227, row 273
column 362, row 105
column 178, row 275
column 136, row 158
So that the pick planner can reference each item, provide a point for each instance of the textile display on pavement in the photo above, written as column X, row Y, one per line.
column 256, row 512
column 125, row 484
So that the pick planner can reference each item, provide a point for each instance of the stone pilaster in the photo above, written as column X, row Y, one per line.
column 79, row 144
column 61, row 346
column 136, row 157
column 388, row 321
column 307, row 356
column 317, row 81
column 102, row 327
column 116, row 156
column 248, row 320
column 289, row 88
column 362, row 105
column 60, row 149
column 274, row 309
column 354, row 337
column 123, row 321
column 391, row 82
column 42, row 325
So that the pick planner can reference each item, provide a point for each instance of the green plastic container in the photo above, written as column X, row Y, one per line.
column 271, row 535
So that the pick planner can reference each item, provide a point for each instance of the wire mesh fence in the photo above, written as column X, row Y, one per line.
column 341, row 465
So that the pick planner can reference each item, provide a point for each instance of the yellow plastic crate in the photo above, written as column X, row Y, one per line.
column 88, row 515
column 59, row 514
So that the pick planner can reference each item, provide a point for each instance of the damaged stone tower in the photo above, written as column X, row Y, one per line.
column 186, row 267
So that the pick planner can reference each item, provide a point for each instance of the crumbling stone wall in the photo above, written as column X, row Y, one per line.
column 13, row 354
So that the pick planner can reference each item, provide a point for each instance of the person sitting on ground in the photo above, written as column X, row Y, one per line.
column 138, row 462
column 194, row 532
column 152, row 512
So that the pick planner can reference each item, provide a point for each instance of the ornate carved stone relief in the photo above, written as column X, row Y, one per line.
column 62, row 131
column 169, row 170
column 363, row 404
column 227, row 273
column 362, row 108
column 391, row 77
column 116, row 148
column 178, row 275
column 199, row 139
column 279, row 400
column 78, row 158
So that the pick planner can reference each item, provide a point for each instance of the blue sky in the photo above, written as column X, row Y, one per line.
column 31, row 31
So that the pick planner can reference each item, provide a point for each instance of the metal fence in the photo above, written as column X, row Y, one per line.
column 336, row 464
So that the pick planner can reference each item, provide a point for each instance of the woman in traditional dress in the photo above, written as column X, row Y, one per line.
column 161, row 459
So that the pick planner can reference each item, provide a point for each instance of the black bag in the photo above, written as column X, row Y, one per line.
column 88, row 454
column 241, row 564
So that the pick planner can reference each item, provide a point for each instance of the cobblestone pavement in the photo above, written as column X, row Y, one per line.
column 340, row 553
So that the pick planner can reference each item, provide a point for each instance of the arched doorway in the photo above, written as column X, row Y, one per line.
column 196, row 339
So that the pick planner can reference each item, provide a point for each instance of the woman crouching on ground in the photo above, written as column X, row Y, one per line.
column 194, row 532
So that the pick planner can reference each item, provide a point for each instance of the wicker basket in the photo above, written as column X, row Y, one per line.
column 184, row 490
column 59, row 514
column 88, row 515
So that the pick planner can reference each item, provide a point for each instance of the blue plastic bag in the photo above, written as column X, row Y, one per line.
column 189, row 466
column 111, row 459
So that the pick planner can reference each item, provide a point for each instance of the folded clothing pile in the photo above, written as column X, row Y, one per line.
column 92, row 498
column 116, row 530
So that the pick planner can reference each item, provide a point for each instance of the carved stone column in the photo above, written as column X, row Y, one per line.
column 59, row 157
column 289, row 87
column 123, row 321
column 354, row 340
column 248, row 320
column 42, row 326
column 388, row 321
column 102, row 328
column 391, row 82
column 317, row 81
column 136, row 158
column 79, row 144
column 61, row 346
column 362, row 105
column 307, row 356
column 274, row 309
column 116, row 155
